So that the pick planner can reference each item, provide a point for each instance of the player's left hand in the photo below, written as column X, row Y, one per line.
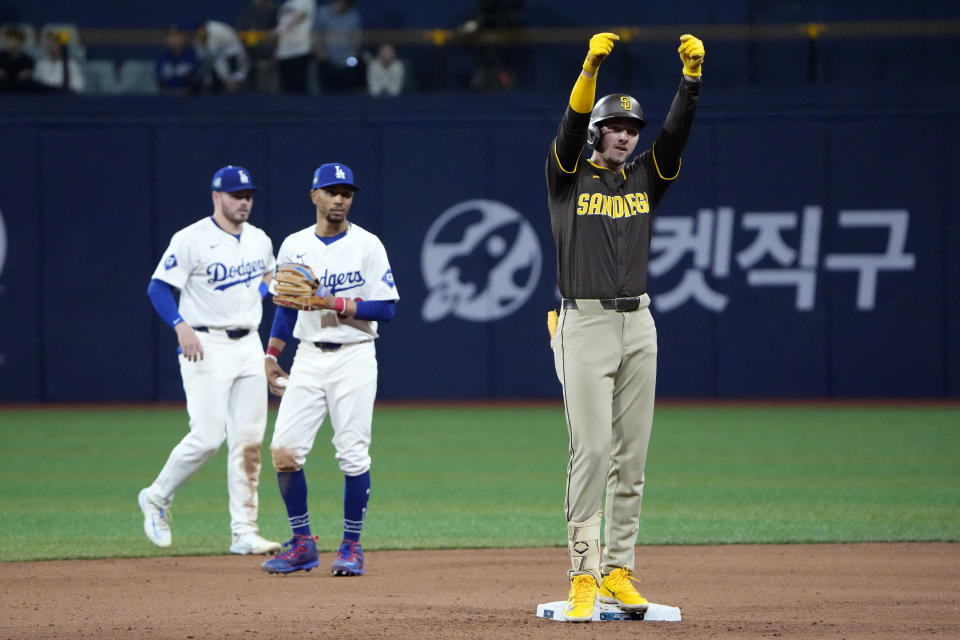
column 304, row 303
column 295, row 287
column 691, row 53
column 316, row 303
column 332, row 302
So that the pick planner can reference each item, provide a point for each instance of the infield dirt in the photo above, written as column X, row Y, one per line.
column 850, row 591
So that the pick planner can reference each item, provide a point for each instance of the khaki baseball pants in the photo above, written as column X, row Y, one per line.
column 607, row 363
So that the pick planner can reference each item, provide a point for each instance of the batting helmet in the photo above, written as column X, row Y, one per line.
column 615, row 105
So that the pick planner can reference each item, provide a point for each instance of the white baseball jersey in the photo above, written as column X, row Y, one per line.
column 218, row 274
column 354, row 266
column 294, row 39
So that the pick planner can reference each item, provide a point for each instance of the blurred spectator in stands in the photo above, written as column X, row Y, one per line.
column 16, row 65
column 56, row 70
column 255, row 27
column 222, row 55
column 178, row 68
column 294, row 21
column 336, row 33
column 385, row 73
column 491, row 69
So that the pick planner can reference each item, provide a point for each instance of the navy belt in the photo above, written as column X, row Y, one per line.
column 623, row 305
column 336, row 346
column 233, row 334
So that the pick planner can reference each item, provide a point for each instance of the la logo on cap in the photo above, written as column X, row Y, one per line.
column 217, row 182
column 340, row 174
column 244, row 177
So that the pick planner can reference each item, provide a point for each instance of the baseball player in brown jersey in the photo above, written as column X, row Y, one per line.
column 604, row 340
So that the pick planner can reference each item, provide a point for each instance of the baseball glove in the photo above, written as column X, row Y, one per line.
column 295, row 287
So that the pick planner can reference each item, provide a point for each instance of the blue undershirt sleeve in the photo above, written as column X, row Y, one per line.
column 283, row 321
column 161, row 295
column 381, row 310
column 263, row 289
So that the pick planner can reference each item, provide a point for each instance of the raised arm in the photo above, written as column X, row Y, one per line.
column 573, row 128
column 676, row 128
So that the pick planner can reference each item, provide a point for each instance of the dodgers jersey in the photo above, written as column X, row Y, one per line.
column 218, row 274
column 354, row 266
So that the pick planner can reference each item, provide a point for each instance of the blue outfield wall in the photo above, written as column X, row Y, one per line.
column 808, row 249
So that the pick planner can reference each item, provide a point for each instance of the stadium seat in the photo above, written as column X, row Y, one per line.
column 101, row 77
column 138, row 76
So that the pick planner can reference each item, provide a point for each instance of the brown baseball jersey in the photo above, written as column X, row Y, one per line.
column 602, row 220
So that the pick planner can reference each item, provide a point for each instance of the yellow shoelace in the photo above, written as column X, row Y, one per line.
column 583, row 590
column 623, row 578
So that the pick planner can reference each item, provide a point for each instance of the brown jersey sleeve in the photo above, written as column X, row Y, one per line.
column 566, row 150
column 676, row 129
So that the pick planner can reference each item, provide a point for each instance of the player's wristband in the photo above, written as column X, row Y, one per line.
column 272, row 352
column 340, row 305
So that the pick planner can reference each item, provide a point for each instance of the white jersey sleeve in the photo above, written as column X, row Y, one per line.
column 375, row 263
column 176, row 264
column 271, row 264
column 284, row 255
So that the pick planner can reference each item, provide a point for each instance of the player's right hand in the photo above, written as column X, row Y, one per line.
column 552, row 321
column 691, row 54
column 601, row 45
column 274, row 371
column 189, row 342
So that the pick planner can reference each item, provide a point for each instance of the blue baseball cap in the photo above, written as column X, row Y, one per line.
column 231, row 178
column 328, row 175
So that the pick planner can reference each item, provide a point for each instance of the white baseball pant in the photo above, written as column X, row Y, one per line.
column 226, row 400
column 343, row 383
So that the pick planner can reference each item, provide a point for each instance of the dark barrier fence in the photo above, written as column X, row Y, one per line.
column 809, row 248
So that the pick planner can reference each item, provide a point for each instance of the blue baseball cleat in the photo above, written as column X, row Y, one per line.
column 300, row 556
column 349, row 560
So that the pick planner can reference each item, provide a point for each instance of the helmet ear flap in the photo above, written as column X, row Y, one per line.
column 593, row 134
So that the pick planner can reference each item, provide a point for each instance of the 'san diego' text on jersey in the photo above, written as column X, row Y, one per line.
column 599, row 204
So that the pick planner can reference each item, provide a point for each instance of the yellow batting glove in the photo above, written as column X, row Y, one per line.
column 691, row 53
column 552, row 320
column 600, row 47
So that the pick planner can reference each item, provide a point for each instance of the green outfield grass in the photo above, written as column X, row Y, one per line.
column 494, row 477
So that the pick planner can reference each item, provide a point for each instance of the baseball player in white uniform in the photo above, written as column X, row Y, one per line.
column 222, row 266
column 335, row 367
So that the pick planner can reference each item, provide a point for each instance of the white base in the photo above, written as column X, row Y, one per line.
column 603, row 612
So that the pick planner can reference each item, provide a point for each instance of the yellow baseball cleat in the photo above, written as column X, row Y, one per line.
column 582, row 598
column 617, row 588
